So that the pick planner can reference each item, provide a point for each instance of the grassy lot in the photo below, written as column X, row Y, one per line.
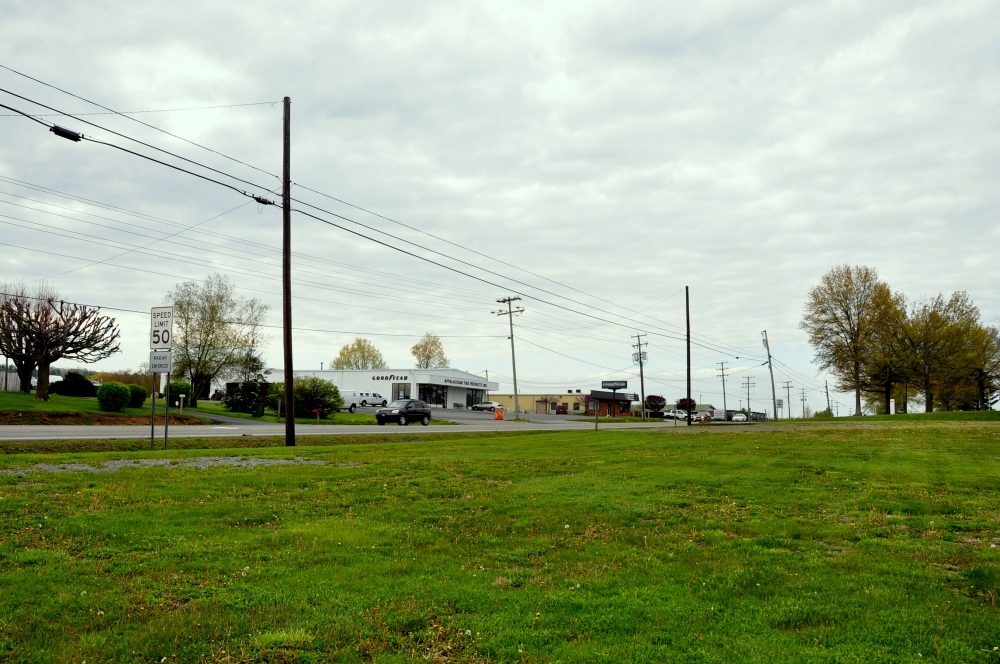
column 214, row 408
column 831, row 544
column 20, row 408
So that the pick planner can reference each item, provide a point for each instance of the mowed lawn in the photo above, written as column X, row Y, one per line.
column 822, row 544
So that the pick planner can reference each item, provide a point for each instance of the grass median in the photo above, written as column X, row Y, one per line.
column 819, row 543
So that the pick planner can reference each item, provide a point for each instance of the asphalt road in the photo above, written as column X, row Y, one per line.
column 466, row 421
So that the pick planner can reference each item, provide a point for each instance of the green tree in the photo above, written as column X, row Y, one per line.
column 360, row 354
column 214, row 329
column 844, row 316
column 935, row 337
column 429, row 352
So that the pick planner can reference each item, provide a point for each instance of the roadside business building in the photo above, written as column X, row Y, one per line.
column 543, row 403
column 439, row 388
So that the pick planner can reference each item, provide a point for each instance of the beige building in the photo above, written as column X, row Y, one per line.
column 544, row 403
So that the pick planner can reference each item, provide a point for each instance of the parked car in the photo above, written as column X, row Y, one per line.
column 562, row 410
column 487, row 405
column 739, row 417
column 404, row 411
column 704, row 416
column 373, row 399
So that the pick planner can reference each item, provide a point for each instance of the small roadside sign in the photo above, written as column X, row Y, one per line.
column 161, row 361
column 161, row 328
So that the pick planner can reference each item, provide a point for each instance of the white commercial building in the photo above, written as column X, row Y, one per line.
column 440, row 388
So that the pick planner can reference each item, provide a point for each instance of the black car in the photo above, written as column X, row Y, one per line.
column 404, row 411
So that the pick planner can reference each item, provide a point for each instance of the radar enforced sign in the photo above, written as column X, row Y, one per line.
column 161, row 361
column 161, row 328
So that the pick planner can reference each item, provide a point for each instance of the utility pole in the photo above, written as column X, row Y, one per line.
column 803, row 403
column 487, row 385
column 774, row 396
column 748, row 385
column 722, row 369
column 642, row 380
column 788, row 394
column 826, row 384
column 510, row 313
column 286, row 272
column 687, row 316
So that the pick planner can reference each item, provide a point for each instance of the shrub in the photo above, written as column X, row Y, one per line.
column 137, row 396
column 241, row 397
column 73, row 385
column 113, row 396
column 177, row 388
column 309, row 392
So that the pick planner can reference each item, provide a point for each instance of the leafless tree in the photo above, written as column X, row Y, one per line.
column 44, row 329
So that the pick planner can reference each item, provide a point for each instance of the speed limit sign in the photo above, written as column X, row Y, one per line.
column 161, row 328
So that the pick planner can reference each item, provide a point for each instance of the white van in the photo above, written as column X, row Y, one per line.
column 352, row 399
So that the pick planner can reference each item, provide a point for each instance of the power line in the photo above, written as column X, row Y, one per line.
column 299, row 329
column 159, row 110
column 162, row 131
column 75, row 136
column 265, row 201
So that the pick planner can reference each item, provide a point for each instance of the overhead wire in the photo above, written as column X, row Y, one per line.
column 326, row 211
column 716, row 349
column 299, row 329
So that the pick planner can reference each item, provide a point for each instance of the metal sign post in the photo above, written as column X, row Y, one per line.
column 161, row 358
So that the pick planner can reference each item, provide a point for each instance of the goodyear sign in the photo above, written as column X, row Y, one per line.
column 614, row 384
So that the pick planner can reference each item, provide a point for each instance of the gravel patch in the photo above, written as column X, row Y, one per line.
column 196, row 462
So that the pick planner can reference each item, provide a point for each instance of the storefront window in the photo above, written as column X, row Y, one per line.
column 400, row 391
column 472, row 397
column 434, row 395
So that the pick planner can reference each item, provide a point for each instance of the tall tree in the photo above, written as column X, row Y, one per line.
column 842, row 317
column 886, row 364
column 984, row 364
column 936, row 338
column 359, row 354
column 53, row 330
column 429, row 352
column 214, row 329
column 17, row 305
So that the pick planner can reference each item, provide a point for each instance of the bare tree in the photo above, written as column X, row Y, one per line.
column 429, row 352
column 17, row 303
column 49, row 330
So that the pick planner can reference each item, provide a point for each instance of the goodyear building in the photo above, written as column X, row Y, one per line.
column 441, row 388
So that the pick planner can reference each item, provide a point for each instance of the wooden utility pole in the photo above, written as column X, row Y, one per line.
column 286, row 273
column 774, row 396
column 687, row 315
column 642, row 380
column 513, row 362
column 725, row 409
column 788, row 395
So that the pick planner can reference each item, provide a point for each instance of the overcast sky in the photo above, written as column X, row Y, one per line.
column 610, row 153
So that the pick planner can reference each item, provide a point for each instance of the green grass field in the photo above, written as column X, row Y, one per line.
column 18, row 401
column 214, row 408
column 829, row 544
